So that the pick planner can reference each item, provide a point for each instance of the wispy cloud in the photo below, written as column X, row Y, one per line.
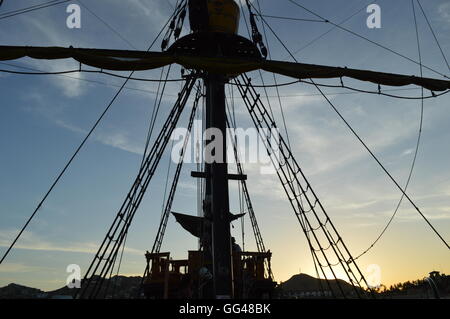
column 32, row 241
column 114, row 138
column 407, row 152
column 50, row 34
column 120, row 140
column 19, row 268
column 444, row 13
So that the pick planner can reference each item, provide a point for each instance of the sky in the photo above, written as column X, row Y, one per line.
column 44, row 118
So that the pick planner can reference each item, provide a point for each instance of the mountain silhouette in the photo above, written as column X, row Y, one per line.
column 303, row 284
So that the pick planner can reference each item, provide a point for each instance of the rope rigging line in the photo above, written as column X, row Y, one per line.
column 434, row 34
column 168, row 206
column 290, row 185
column 264, row 118
column 384, row 169
column 133, row 199
column 63, row 171
column 55, row 182
column 356, row 90
column 289, row 161
column 106, row 84
column 277, row 89
column 118, row 268
column 152, row 121
column 333, row 28
column 124, row 39
column 256, row 35
column 201, row 115
column 289, row 18
column 164, row 211
column 169, row 166
column 236, row 158
column 153, row 116
column 31, row 8
column 81, row 71
column 232, row 116
column 365, row 38
column 155, row 111
column 246, row 196
column 416, row 148
column 365, row 145
column 303, row 223
column 259, row 70
column 112, row 271
column 167, row 210
column 176, row 24
column 275, row 80
column 242, row 211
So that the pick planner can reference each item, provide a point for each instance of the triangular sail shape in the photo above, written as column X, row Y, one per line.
column 194, row 224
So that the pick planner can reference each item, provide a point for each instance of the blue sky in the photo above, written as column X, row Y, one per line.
column 44, row 118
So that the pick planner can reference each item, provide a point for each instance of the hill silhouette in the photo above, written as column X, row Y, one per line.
column 15, row 291
column 302, row 284
column 121, row 287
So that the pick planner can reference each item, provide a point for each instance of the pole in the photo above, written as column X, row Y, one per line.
column 217, row 200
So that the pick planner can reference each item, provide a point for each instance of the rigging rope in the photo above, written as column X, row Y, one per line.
column 63, row 171
column 107, row 24
column 91, row 81
column 134, row 197
column 167, row 210
column 256, row 35
column 167, row 204
column 333, row 28
column 364, row 144
column 232, row 116
column 278, row 93
column 244, row 195
column 416, row 149
column 261, row 119
column 259, row 70
column 289, row 18
column 434, row 34
column 163, row 204
column 83, row 71
column 383, row 168
column 156, row 107
column 356, row 90
column 152, row 121
column 365, row 38
column 276, row 87
column 31, row 8
column 118, row 267
column 74, row 155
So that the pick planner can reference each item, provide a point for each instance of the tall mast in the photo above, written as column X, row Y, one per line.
column 216, row 195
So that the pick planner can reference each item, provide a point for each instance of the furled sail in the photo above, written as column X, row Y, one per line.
column 124, row 60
